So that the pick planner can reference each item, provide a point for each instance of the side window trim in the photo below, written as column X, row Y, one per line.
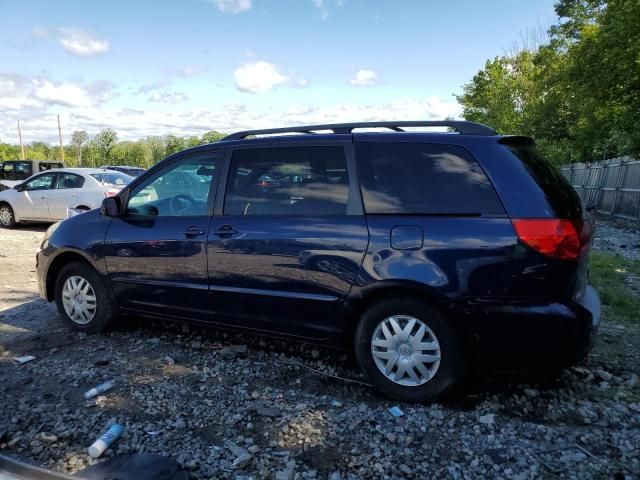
column 211, row 154
column 354, row 198
column 355, row 207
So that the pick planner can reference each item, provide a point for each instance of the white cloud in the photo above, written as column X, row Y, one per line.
column 65, row 94
column 184, row 72
column 431, row 108
column 39, row 121
column 79, row 42
column 258, row 77
column 327, row 7
column 41, row 32
column 150, row 87
column 86, row 106
column 167, row 96
column 365, row 78
column 17, row 91
column 232, row 6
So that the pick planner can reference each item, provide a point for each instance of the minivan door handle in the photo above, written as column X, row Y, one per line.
column 225, row 231
column 193, row 231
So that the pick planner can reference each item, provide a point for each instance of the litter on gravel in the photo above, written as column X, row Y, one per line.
column 24, row 359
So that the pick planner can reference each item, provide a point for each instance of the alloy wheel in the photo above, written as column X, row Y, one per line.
column 6, row 216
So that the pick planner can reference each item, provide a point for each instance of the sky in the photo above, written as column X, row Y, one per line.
column 185, row 67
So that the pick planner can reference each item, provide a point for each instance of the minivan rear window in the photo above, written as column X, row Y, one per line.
column 423, row 178
column 559, row 192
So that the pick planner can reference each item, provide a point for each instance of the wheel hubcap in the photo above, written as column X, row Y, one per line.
column 5, row 216
column 405, row 350
column 79, row 300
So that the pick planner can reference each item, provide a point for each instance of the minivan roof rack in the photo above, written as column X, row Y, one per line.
column 462, row 127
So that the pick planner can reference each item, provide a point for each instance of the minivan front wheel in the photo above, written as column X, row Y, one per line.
column 82, row 299
column 408, row 350
column 7, row 217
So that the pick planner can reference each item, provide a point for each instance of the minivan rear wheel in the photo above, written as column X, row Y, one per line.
column 82, row 298
column 408, row 350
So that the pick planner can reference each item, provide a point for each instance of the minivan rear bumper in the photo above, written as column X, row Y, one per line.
column 521, row 335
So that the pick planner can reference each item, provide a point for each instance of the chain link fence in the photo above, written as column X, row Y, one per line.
column 612, row 186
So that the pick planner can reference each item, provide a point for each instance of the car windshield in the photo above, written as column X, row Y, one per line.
column 112, row 178
column 134, row 172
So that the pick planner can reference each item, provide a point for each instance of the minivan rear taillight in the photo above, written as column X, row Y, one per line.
column 562, row 239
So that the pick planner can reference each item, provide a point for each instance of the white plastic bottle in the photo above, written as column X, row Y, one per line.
column 103, row 387
column 106, row 439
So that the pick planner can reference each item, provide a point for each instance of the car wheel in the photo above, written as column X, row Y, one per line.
column 409, row 351
column 83, row 300
column 7, row 218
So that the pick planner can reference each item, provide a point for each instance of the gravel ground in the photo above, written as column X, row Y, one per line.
column 257, row 411
column 618, row 236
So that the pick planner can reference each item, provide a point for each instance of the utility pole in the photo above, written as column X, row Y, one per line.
column 60, row 136
column 21, row 145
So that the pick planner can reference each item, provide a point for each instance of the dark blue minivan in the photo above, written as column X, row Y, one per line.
column 427, row 253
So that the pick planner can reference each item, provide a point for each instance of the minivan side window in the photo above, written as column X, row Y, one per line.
column 180, row 190
column 288, row 181
column 423, row 178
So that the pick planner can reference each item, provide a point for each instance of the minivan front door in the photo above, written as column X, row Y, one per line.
column 156, row 253
column 290, row 241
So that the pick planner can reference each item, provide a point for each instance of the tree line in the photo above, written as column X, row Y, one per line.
column 105, row 149
column 577, row 92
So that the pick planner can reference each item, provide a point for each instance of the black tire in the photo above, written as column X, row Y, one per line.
column 8, row 220
column 451, row 369
column 106, row 309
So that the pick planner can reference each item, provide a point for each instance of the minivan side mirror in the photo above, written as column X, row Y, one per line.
column 19, row 187
column 111, row 207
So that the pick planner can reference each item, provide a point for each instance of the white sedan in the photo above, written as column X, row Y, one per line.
column 48, row 196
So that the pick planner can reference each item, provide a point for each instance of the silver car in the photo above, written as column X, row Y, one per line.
column 56, row 194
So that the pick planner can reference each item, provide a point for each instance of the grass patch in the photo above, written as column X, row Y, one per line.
column 615, row 278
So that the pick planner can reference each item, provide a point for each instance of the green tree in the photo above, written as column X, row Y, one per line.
column 173, row 144
column 212, row 136
column 192, row 141
column 91, row 152
column 157, row 147
column 9, row 152
column 39, row 151
column 78, row 139
column 106, row 139
column 502, row 93
column 578, row 94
